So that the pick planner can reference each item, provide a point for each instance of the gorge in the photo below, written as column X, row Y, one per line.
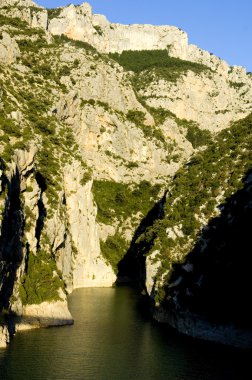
column 125, row 157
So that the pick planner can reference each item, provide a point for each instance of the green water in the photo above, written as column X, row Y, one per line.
column 112, row 340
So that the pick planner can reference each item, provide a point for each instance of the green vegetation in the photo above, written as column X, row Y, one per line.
column 135, row 116
column 93, row 103
column 197, row 136
column 41, row 282
column 118, row 200
column 131, row 165
column 98, row 30
column 20, row 27
column 62, row 39
column 87, row 176
column 65, row 71
column 53, row 12
column 26, row 45
column 113, row 249
column 13, row 21
column 159, row 114
column 156, row 62
column 236, row 85
column 9, row 127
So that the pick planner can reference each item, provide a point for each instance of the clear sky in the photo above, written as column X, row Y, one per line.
column 223, row 27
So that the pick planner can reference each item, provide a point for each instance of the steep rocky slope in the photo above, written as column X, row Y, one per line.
column 194, row 258
column 96, row 119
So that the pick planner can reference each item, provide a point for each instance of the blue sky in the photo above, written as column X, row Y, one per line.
column 220, row 26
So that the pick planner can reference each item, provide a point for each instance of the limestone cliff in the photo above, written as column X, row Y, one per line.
column 9, row 50
column 80, row 24
column 96, row 120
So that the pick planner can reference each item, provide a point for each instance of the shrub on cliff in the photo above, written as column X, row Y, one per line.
column 41, row 282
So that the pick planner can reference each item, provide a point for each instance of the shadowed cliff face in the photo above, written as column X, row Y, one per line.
column 132, row 267
column 215, row 279
column 10, row 239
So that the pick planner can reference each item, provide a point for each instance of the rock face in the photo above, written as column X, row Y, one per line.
column 213, row 100
column 43, row 315
column 4, row 336
column 151, row 270
column 106, row 138
column 9, row 50
column 84, row 266
column 80, row 24
column 88, row 268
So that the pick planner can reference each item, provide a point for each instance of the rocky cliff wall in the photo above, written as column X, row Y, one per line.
column 26, row 235
column 9, row 50
column 80, row 24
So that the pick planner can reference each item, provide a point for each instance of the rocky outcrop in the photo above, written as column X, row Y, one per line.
column 88, row 269
column 18, row 3
column 43, row 315
column 26, row 10
column 4, row 336
column 79, row 23
column 96, row 110
column 9, row 50
column 151, row 266
column 198, row 327
column 210, row 99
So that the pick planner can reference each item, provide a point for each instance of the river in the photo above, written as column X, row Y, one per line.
column 112, row 339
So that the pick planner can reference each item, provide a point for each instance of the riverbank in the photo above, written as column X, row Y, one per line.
column 46, row 314
column 199, row 327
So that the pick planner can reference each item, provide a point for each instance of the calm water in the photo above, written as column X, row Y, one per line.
column 112, row 340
